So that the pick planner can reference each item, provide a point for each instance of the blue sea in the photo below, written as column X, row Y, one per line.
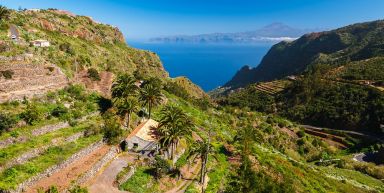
column 207, row 65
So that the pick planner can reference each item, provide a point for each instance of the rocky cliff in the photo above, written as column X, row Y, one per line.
column 337, row 47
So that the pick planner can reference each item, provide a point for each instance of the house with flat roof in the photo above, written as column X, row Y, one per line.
column 144, row 138
column 41, row 43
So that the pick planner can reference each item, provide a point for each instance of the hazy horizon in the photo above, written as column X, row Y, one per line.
column 141, row 20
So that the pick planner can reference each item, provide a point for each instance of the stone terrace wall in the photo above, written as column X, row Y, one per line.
column 30, row 80
column 32, row 181
column 112, row 153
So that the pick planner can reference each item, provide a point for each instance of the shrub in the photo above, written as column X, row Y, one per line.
column 76, row 91
column 59, row 111
column 301, row 133
column 78, row 189
column 93, row 74
column 7, row 74
column 32, row 114
column 161, row 167
column 112, row 129
column 6, row 122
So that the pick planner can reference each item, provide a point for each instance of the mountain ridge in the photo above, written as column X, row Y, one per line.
column 273, row 32
column 336, row 47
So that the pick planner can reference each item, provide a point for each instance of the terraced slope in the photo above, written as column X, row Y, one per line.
column 29, row 80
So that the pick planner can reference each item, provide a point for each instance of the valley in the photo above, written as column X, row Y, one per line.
column 81, row 111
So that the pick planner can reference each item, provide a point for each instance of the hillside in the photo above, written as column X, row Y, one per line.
column 58, row 135
column 77, row 43
column 75, row 40
column 336, row 48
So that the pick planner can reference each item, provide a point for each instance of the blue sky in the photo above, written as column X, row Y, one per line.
column 140, row 19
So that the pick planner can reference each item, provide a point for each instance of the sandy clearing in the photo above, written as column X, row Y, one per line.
column 64, row 177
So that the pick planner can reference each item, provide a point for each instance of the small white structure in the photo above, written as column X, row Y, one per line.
column 144, row 138
column 41, row 43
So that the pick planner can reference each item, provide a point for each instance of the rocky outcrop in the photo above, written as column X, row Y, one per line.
column 30, row 80
column 103, row 86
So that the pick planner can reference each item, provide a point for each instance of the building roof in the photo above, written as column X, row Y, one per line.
column 40, row 41
column 146, row 131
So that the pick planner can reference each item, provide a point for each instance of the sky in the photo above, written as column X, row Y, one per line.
column 143, row 19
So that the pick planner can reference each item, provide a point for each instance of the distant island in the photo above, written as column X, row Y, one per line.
column 272, row 33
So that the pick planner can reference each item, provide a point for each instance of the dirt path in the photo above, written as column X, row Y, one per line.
column 189, row 174
column 64, row 177
column 104, row 182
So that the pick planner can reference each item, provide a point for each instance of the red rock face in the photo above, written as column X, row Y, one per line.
column 45, row 24
column 77, row 26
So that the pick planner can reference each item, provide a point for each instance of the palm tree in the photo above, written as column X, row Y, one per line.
column 124, row 86
column 201, row 149
column 174, row 124
column 4, row 13
column 151, row 95
column 124, row 90
column 126, row 106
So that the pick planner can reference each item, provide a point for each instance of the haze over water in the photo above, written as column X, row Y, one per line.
column 208, row 65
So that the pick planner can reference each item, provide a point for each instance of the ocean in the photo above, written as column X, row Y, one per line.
column 207, row 65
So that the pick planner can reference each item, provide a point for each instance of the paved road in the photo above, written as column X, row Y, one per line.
column 104, row 181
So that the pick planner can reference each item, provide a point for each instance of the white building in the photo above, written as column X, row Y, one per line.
column 144, row 138
column 41, row 43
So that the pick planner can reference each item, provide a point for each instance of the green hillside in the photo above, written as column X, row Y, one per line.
column 63, row 140
column 77, row 42
column 338, row 47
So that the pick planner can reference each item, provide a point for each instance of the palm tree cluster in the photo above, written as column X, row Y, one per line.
column 174, row 125
column 127, row 95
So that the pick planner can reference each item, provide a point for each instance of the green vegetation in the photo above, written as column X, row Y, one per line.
column 93, row 74
column 77, row 43
column 6, row 122
column 7, row 74
column 174, row 124
column 11, row 177
column 140, row 182
column 150, row 94
column 124, row 96
column 353, row 43
column 112, row 128
column 324, row 103
column 4, row 13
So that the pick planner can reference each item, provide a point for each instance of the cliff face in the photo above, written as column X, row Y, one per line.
column 337, row 47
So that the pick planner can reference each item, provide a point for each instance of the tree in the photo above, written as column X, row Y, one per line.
column 161, row 167
column 201, row 149
column 112, row 130
column 124, row 86
column 6, row 122
column 174, row 124
column 150, row 94
column 4, row 13
column 124, row 91
column 126, row 106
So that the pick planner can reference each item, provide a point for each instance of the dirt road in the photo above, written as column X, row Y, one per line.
column 104, row 181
